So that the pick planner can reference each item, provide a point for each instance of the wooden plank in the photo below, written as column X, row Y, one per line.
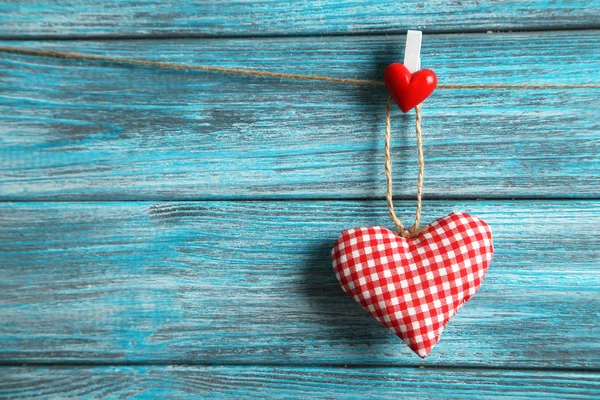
column 292, row 382
column 153, row 18
column 95, row 131
column 251, row 282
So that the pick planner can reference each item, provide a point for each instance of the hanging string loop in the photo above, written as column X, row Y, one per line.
column 414, row 230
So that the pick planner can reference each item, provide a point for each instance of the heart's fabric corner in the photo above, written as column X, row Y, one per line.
column 414, row 286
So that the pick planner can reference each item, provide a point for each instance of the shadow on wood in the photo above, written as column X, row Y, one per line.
column 348, row 327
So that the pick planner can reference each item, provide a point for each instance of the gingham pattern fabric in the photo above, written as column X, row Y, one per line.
column 414, row 286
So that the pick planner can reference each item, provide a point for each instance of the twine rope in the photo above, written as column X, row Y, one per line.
column 414, row 230
column 242, row 71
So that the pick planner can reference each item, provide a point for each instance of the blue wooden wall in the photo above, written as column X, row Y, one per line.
column 166, row 233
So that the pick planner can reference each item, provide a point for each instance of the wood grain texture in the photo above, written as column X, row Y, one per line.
column 251, row 282
column 286, row 382
column 155, row 18
column 97, row 131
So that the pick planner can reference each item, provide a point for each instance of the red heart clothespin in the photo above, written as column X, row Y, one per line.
column 408, row 84
column 409, row 90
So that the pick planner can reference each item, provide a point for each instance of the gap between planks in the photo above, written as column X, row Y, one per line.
column 456, row 367
column 187, row 36
column 299, row 199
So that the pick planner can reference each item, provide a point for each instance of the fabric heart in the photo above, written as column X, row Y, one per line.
column 409, row 90
column 414, row 286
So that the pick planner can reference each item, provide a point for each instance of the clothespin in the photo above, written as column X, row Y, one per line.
column 412, row 51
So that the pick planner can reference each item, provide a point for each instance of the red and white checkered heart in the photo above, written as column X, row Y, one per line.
column 414, row 286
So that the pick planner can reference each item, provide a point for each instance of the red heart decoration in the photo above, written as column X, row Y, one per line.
column 413, row 286
column 409, row 90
